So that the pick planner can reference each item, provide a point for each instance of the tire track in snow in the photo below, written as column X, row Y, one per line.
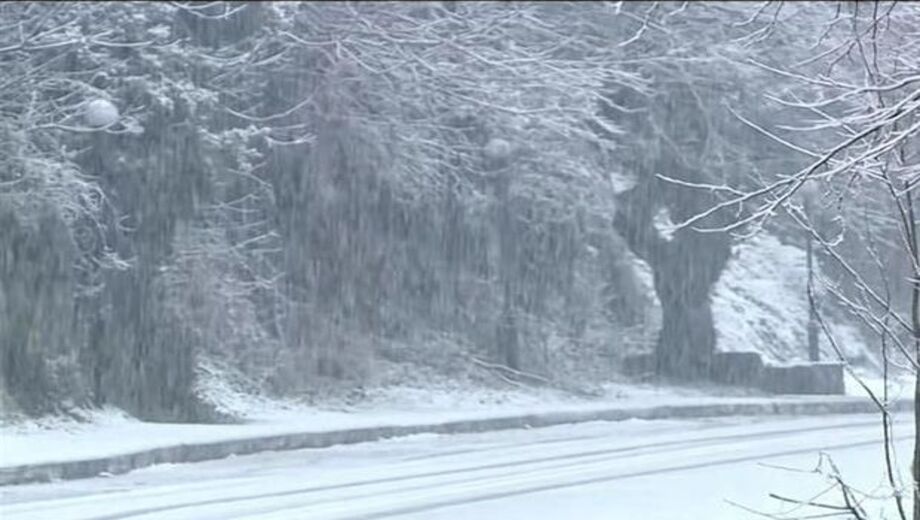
column 468, row 475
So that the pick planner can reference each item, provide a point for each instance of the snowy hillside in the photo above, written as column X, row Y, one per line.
column 760, row 304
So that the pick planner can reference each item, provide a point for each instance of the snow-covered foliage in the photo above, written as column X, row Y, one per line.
column 307, row 193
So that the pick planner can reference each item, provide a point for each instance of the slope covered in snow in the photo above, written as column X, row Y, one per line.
column 760, row 304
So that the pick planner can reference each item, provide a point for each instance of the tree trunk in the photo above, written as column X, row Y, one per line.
column 914, row 246
column 685, row 269
column 687, row 339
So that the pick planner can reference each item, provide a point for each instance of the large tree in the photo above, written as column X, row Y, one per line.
column 679, row 133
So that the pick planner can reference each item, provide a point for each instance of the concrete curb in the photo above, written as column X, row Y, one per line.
column 197, row 452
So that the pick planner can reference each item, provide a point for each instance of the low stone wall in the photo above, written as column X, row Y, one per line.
column 805, row 378
column 737, row 368
column 747, row 369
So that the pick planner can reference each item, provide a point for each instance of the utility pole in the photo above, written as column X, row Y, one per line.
column 814, row 353
column 498, row 154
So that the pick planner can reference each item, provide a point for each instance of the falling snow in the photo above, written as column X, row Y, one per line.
column 221, row 214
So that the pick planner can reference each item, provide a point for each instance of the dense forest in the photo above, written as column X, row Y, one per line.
column 301, row 191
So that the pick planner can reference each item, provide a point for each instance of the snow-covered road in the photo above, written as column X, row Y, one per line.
column 628, row 470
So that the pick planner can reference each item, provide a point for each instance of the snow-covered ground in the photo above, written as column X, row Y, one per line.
column 760, row 304
column 111, row 432
column 674, row 470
